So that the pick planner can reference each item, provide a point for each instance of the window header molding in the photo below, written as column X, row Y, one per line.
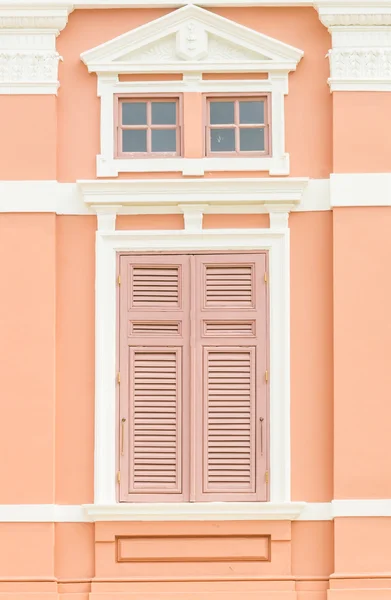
column 157, row 196
column 191, row 39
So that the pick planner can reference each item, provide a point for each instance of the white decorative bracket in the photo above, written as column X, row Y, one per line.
column 360, row 57
column 28, row 56
column 106, row 216
column 278, row 217
column 193, row 215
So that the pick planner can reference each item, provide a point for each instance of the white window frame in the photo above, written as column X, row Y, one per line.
column 108, row 198
column 275, row 164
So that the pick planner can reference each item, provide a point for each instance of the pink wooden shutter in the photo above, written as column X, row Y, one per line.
column 231, row 397
column 154, row 366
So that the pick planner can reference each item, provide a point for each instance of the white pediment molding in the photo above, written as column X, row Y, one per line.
column 192, row 39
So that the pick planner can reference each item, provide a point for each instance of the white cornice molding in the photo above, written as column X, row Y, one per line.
column 150, row 195
column 28, row 57
column 360, row 58
column 67, row 199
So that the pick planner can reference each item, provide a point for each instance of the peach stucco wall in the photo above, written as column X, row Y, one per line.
column 340, row 340
column 362, row 340
column 361, row 141
column 27, row 358
column 28, row 148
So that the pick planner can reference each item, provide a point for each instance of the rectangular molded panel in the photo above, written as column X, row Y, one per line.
column 193, row 548
column 229, row 328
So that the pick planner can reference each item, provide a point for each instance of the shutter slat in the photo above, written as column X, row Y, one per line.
column 229, row 423
column 155, row 413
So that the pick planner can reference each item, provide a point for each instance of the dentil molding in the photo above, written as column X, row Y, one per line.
column 28, row 56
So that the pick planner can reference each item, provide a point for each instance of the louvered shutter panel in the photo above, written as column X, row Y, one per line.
column 154, row 365
column 231, row 399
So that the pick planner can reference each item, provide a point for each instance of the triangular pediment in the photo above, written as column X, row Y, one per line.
column 191, row 39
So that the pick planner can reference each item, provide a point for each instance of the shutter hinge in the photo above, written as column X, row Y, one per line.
column 118, row 476
column 118, row 377
column 267, row 476
column 119, row 279
column 266, row 376
column 266, row 278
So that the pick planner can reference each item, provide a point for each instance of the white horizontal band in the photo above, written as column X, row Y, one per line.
column 341, row 190
column 300, row 511
column 360, row 189
column 65, row 199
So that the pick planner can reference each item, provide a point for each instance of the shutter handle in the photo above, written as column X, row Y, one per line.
column 262, row 420
column 122, row 435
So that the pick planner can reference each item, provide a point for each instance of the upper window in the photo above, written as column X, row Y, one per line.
column 237, row 125
column 148, row 127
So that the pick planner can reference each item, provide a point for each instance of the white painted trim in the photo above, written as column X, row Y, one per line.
column 195, row 167
column 360, row 58
column 276, row 164
column 179, row 3
column 361, row 508
column 42, row 513
column 360, row 189
column 216, row 511
column 66, row 199
column 357, row 85
column 374, row 7
column 172, row 192
column 31, row 88
column 107, row 245
column 29, row 61
column 208, row 511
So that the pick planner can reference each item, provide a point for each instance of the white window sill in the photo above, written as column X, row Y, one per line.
column 111, row 167
column 187, row 511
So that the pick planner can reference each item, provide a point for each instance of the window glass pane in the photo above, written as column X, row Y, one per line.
column 221, row 113
column 134, row 113
column 251, row 112
column 222, row 140
column 134, row 140
column 252, row 139
column 163, row 140
column 163, row 113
